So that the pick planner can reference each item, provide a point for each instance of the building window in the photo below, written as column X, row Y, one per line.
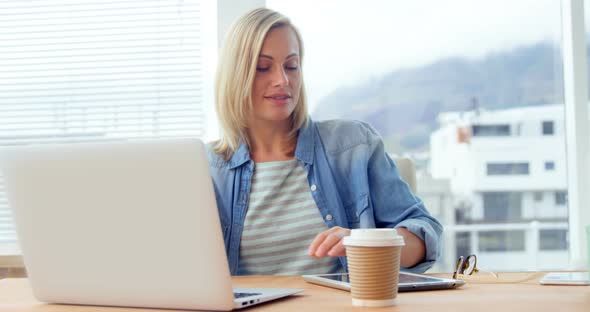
column 561, row 198
column 463, row 243
column 502, row 206
column 501, row 241
column 549, row 166
column 553, row 240
column 538, row 196
column 518, row 129
column 548, row 128
column 490, row 130
column 507, row 169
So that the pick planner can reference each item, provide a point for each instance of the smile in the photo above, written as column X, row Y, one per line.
column 278, row 97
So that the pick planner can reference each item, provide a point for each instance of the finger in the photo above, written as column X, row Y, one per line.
column 338, row 250
column 331, row 240
column 319, row 239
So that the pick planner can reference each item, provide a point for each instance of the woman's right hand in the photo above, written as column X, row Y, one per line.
column 329, row 243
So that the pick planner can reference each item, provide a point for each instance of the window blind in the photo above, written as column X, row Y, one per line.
column 78, row 71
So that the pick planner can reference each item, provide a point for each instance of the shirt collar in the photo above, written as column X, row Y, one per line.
column 305, row 143
column 241, row 156
column 303, row 151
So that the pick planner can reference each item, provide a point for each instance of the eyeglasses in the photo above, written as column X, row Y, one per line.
column 466, row 266
column 466, row 269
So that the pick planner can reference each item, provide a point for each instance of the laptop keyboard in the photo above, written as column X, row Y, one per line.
column 242, row 295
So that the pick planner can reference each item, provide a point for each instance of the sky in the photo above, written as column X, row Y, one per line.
column 349, row 42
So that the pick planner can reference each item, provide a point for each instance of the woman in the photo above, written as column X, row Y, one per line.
column 289, row 189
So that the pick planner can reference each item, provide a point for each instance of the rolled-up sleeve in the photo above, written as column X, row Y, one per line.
column 394, row 204
column 430, row 233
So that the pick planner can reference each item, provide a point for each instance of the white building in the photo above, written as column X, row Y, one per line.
column 507, row 174
column 436, row 195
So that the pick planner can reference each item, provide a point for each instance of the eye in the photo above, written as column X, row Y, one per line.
column 262, row 69
column 292, row 67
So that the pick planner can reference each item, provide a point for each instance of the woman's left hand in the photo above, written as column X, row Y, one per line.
column 329, row 243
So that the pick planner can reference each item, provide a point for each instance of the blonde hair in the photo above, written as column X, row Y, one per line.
column 235, row 78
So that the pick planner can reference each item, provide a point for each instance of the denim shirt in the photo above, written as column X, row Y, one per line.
column 353, row 181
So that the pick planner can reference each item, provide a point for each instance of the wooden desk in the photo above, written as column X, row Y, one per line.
column 15, row 296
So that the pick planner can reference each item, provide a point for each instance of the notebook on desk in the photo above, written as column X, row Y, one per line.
column 122, row 224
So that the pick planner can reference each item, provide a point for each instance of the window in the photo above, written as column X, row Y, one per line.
column 549, row 166
column 538, row 196
column 494, row 241
column 491, row 130
column 463, row 243
column 553, row 240
column 561, row 198
column 417, row 91
column 518, row 129
column 547, row 127
column 94, row 70
column 502, row 206
column 507, row 168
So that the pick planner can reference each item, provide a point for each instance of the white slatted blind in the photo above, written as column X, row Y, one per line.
column 76, row 71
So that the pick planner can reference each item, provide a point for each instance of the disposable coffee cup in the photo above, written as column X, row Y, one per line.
column 373, row 266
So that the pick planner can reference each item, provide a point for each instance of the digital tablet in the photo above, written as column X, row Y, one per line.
column 566, row 278
column 407, row 281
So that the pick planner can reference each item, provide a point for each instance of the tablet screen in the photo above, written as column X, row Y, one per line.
column 407, row 281
column 404, row 278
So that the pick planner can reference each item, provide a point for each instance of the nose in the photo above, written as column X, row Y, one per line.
column 280, row 78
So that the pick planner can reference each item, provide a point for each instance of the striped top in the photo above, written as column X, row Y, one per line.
column 281, row 222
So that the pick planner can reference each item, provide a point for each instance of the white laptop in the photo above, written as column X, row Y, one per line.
column 122, row 224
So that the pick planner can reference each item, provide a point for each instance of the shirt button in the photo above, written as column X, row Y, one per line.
column 313, row 188
column 329, row 217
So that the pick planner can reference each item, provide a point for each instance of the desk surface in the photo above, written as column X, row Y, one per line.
column 15, row 295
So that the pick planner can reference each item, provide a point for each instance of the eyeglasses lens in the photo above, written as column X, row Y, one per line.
column 470, row 265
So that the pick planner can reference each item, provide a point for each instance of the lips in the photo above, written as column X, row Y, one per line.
column 278, row 96
column 279, row 99
column 282, row 97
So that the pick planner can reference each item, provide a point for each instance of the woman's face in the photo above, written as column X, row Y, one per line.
column 277, row 83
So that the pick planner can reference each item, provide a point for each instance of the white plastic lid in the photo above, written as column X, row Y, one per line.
column 373, row 238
